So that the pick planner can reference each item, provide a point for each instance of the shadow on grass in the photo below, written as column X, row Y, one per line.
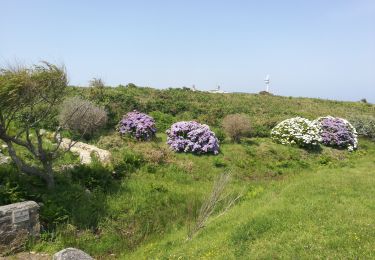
column 314, row 150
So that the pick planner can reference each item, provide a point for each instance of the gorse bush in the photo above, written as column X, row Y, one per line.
column 337, row 132
column 236, row 126
column 163, row 121
column 299, row 131
column 138, row 125
column 365, row 126
column 82, row 116
column 190, row 136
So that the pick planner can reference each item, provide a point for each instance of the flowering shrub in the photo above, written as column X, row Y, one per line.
column 337, row 132
column 297, row 130
column 138, row 125
column 190, row 136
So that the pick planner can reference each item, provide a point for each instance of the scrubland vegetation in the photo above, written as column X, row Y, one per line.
column 239, row 194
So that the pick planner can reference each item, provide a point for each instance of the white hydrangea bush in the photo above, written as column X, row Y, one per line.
column 297, row 131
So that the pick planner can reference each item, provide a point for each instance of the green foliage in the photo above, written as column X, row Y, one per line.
column 264, row 111
column 96, row 176
column 315, row 212
column 11, row 185
column 236, row 126
column 298, row 203
column 82, row 116
column 219, row 162
column 220, row 134
column 126, row 161
column 365, row 125
column 163, row 121
column 79, row 196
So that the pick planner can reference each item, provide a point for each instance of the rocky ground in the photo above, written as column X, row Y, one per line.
column 27, row 256
column 85, row 150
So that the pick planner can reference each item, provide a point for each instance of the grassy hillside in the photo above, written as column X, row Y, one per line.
column 170, row 105
column 295, row 203
column 321, row 212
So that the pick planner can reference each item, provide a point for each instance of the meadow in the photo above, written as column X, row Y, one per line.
column 292, row 202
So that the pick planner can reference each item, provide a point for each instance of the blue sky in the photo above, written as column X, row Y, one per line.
column 310, row 48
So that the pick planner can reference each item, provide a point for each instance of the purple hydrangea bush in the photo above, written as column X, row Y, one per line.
column 138, row 125
column 190, row 136
column 337, row 132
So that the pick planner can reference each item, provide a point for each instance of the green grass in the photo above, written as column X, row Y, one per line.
column 323, row 213
column 296, row 204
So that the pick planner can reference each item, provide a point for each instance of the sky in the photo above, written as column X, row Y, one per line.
column 323, row 49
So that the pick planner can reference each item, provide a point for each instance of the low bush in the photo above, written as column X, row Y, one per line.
column 299, row 131
column 125, row 162
column 337, row 132
column 365, row 126
column 190, row 136
column 137, row 125
column 110, row 141
column 220, row 134
column 162, row 120
column 82, row 116
column 236, row 126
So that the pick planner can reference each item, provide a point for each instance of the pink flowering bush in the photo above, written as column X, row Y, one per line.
column 337, row 132
column 190, row 136
column 138, row 125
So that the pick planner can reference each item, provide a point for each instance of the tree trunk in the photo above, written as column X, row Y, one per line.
column 49, row 178
column 46, row 174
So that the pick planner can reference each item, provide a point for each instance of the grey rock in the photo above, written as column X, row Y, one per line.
column 4, row 159
column 71, row 254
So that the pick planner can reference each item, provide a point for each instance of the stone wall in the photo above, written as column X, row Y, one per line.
column 18, row 221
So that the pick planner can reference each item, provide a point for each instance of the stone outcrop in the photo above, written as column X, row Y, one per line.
column 85, row 151
column 71, row 254
column 18, row 221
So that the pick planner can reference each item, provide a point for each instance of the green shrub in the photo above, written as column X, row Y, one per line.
column 163, row 121
column 82, row 116
column 126, row 161
column 236, row 126
column 365, row 126
column 92, row 177
column 220, row 134
column 110, row 141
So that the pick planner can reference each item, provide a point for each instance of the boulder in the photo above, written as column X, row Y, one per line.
column 71, row 254
column 85, row 150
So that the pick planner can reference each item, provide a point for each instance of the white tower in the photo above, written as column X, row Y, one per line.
column 267, row 81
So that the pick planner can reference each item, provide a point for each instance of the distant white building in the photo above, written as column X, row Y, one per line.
column 217, row 91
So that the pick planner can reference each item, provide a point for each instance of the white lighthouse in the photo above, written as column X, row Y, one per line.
column 267, row 82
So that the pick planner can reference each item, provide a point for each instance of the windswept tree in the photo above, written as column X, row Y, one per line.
column 29, row 98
